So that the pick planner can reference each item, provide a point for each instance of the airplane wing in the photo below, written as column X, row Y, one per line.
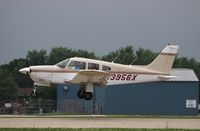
column 92, row 76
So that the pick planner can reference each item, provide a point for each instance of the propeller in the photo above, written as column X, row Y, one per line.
column 27, row 61
column 27, row 65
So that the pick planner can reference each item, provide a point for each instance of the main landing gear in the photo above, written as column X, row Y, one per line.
column 85, row 92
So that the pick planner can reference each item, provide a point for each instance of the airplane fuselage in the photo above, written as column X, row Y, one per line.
column 46, row 75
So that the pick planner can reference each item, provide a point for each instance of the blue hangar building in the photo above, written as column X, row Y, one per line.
column 179, row 96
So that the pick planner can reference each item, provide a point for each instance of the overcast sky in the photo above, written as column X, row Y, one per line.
column 98, row 26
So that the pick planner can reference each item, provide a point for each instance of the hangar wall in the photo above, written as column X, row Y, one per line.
column 175, row 97
column 67, row 100
column 160, row 98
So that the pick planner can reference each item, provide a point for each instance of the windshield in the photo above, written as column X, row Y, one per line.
column 63, row 63
column 77, row 65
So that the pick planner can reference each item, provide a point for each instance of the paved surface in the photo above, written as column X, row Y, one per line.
column 99, row 123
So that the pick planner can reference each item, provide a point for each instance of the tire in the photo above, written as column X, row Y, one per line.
column 88, row 96
column 34, row 94
column 80, row 94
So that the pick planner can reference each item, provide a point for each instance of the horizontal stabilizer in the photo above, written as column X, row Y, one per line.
column 167, row 77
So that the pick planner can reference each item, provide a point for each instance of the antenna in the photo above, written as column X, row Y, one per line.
column 116, row 58
column 134, row 60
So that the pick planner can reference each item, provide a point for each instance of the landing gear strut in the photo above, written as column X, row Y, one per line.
column 85, row 92
column 34, row 93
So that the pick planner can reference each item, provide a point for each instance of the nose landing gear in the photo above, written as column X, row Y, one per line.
column 34, row 93
column 81, row 93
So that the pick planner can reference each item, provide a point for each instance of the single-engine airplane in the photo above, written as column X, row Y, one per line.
column 89, row 72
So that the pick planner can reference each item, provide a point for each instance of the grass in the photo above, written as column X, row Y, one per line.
column 69, row 115
column 91, row 129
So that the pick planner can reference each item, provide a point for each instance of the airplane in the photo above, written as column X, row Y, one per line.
column 89, row 72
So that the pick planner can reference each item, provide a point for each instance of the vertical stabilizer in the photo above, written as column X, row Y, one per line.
column 164, row 61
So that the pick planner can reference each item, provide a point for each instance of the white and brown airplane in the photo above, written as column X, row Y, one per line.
column 89, row 72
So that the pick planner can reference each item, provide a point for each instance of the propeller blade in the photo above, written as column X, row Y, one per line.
column 27, row 61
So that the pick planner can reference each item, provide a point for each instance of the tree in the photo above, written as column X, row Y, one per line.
column 14, row 66
column 123, row 55
column 184, row 62
column 144, row 56
column 58, row 54
column 85, row 54
column 181, row 62
column 37, row 57
column 8, row 88
column 47, row 93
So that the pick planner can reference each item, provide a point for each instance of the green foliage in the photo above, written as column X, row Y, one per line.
column 14, row 67
column 37, row 57
column 11, row 71
column 47, row 92
column 8, row 90
column 128, row 55
column 85, row 54
column 144, row 56
column 123, row 55
column 184, row 62
column 58, row 54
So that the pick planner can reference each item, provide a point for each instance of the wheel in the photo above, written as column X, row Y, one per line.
column 34, row 94
column 88, row 95
column 80, row 94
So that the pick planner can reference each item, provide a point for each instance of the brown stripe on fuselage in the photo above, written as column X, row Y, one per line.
column 56, row 71
column 142, row 73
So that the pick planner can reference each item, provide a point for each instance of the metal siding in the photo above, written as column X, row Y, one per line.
column 68, row 101
column 69, row 93
column 183, row 75
column 162, row 98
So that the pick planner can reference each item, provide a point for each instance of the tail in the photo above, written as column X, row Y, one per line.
column 164, row 61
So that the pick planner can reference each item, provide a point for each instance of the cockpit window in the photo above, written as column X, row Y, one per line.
column 93, row 66
column 63, row 63
column 105, row 68
column 77, row 65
